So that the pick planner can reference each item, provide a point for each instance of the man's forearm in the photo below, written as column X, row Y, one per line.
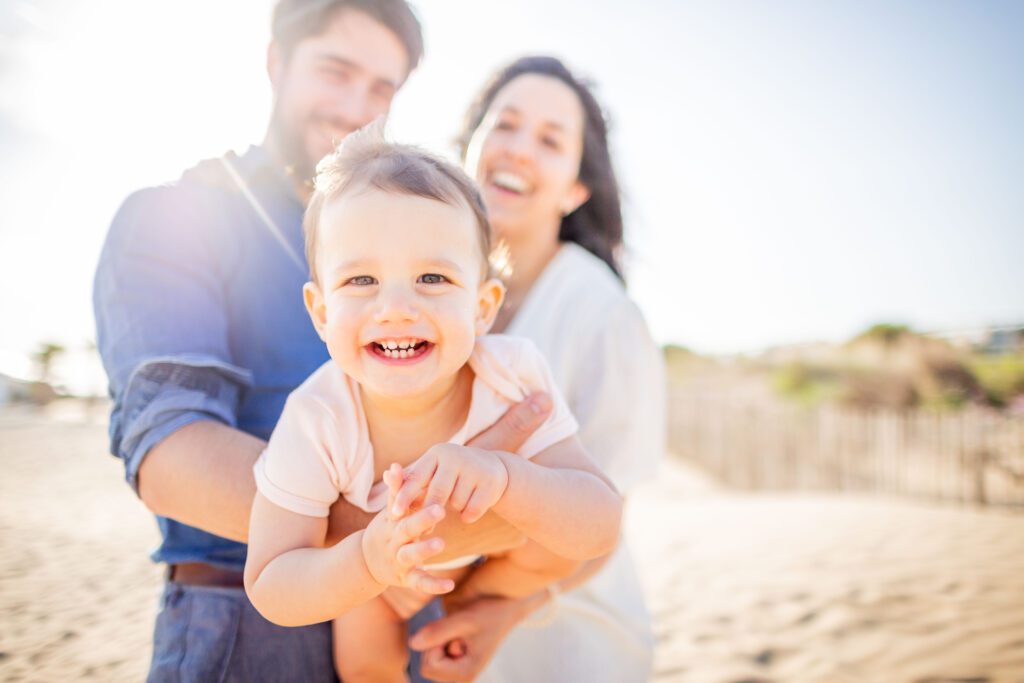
column 516, row 574
column 201, row 475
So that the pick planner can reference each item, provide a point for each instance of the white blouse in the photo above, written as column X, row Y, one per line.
column 612, row 375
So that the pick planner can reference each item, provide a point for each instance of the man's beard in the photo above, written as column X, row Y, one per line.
column 290, row 145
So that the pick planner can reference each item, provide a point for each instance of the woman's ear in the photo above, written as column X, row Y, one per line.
column 576, row 197
column 489, row 298
column 315, row 306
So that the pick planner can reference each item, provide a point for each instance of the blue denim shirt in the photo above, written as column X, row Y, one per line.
column 199, row 316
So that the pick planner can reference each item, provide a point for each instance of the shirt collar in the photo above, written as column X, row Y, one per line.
column 258, row 167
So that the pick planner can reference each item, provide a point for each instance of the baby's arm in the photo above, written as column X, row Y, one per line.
column 293, row 580
column 559, row 498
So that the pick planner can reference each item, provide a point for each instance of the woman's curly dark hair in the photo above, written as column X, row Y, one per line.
column 597, row 224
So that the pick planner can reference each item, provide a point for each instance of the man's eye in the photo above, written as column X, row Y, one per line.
column 361, row 281
column 335, row 75
column 432, row 279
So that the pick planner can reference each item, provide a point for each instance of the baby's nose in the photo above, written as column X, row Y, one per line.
column 395, row 306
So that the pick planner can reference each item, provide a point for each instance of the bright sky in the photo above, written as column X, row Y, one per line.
column 795, row 170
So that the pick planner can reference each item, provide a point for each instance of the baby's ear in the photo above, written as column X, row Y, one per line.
column 489, row 298
column 315, row 306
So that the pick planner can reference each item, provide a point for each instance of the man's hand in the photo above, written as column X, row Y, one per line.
column 458, row 647
column 468, row 479
column 394, row 547
column 516, row 426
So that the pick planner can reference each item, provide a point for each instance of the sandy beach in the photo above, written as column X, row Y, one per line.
column 743, row 588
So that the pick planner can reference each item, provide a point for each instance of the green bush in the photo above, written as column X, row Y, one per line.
column 805, row 383
column 1001, row 377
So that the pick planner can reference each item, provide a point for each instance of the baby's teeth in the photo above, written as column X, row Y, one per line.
column 391, row 345
column 403, row 344
column 403, row 353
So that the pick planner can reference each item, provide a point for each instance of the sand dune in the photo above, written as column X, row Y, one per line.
column 743, row 588
column 791, row 588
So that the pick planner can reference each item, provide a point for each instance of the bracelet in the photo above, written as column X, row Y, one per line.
column 550, row 613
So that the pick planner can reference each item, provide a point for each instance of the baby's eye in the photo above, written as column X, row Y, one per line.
column 361, row 281
column 432, row 279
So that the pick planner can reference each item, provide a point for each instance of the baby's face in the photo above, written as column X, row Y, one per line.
column 401, row 296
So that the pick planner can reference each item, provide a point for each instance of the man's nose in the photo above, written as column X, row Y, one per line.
column 352, row 106
column 396, row 305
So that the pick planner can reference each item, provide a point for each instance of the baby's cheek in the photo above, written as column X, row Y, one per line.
column 343, row 343
column 460, row 341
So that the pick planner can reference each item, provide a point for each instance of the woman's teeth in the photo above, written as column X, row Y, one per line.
column 510, row 181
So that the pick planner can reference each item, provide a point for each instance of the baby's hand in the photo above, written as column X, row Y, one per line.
column 394, row 547
column 471, row 480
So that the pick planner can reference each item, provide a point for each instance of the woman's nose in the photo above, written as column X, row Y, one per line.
column 519, row 147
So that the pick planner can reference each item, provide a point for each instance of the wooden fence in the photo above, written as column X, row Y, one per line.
column 972, row 455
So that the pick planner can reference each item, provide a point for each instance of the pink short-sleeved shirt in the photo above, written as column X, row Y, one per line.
column 321, row 448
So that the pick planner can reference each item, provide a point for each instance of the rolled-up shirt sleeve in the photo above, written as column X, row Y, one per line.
column 162, row 327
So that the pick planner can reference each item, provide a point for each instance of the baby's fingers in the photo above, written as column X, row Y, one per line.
column 393, row 478
column 416, row 480
column 441, row 486
column 420, row 580
column 417, row 524
column 413, row 554
column 483, row 499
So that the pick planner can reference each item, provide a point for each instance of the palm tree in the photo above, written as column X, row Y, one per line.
column 43, row 357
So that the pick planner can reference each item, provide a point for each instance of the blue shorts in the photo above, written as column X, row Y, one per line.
column 212, row 634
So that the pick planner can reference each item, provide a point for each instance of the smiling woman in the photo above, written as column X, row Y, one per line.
column 536, row 141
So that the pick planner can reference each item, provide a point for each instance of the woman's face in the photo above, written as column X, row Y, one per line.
column 525, row 154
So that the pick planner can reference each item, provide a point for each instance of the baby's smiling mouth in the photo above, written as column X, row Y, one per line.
column 399, row 348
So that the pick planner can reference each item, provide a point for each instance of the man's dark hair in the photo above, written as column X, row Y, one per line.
column 296, row 20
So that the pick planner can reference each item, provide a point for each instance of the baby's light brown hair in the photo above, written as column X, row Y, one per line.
column 366, row 160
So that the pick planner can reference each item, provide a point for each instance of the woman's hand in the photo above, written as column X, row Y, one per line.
column 458, row 646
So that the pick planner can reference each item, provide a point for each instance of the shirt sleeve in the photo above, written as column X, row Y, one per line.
column 620, row 399
column 296, row 471
column 535, row 375
column 161, row 322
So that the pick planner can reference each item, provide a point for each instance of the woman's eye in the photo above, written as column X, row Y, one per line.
column 550, row 142
column 361, row 281
column 503, row 125
column 432, row 279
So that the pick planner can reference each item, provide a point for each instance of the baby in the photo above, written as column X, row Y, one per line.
column 398, row 245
